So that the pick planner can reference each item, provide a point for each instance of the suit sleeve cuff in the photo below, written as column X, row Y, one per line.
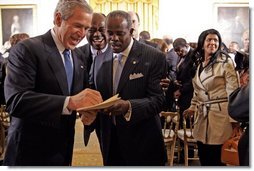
column 66, row 111
column 127, row 116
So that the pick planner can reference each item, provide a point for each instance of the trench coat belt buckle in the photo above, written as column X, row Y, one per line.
column 204, row 106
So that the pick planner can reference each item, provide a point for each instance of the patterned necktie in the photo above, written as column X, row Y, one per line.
column 68, row 68
column 99, row 52
column 118, row 67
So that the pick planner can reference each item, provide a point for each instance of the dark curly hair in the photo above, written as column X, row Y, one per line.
column 14, row 39
column 198, row 54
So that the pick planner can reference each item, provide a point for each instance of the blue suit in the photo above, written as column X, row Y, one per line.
column 35, row 90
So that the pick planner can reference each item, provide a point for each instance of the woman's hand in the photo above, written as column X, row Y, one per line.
column 188, row 112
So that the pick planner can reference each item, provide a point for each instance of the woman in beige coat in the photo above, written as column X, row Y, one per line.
column 215, row 78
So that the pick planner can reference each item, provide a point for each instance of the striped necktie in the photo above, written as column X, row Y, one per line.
column 99, row 52
column 118, row 67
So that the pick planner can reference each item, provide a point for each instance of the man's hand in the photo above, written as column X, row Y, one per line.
column 85, row 98
column 164, row 83
column 188, row 112
column 121, row 107
column 88, row 117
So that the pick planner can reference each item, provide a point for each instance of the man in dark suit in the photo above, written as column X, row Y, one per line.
column 237, row 56
column 97, row 42
column 183, row 83
column 183, row 88
column 42, row 96
column 130, row 130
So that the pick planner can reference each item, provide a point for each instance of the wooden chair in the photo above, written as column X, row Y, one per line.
column 186, row 136
column 169, row 131
column 2, row 140
column 4, row 125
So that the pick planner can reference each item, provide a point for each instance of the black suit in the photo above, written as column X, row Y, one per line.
column 35, row 90
column 88, row 57
column 138, row 142
column 184, row 76
column 87, row 54
column 239, row 60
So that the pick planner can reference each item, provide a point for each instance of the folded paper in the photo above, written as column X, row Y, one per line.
column 105, row 104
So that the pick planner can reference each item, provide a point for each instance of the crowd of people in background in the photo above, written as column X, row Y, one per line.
column 154, row 74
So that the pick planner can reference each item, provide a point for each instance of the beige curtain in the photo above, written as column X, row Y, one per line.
column 147, row 10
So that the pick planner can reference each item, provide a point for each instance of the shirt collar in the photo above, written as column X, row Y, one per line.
column 94, row 51
column 59, row 45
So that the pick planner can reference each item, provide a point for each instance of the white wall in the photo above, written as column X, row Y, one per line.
column 184, row 18
column 179, row 18
column 44, row 12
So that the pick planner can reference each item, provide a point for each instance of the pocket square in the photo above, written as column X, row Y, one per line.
column 135, row 76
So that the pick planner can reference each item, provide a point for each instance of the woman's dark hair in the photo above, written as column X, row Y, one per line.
column 201, row 41
column 198, row 54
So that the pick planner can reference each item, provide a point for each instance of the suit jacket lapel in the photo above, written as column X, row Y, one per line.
column 199, row 79
column 130, row 64
column 56, row 63
column 88, row 56
column 104, row 69
column 109, row 69
column 79, row 69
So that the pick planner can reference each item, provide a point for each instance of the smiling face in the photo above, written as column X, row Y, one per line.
column 72, row 30
column 211, row 44
column 96, row 33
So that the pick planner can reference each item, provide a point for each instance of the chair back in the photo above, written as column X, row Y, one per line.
column 4, row 125
column 169, row 132
column 188, row 126
column 186, row 135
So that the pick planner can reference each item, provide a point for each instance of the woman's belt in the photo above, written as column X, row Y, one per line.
column 203, row 107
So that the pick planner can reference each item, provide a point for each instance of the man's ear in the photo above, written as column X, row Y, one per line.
column 132, row 31
column 58, row 19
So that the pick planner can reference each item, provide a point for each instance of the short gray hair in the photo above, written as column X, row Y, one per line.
column 65, row 7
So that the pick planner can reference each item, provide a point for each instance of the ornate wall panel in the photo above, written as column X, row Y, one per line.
column 147, row 10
